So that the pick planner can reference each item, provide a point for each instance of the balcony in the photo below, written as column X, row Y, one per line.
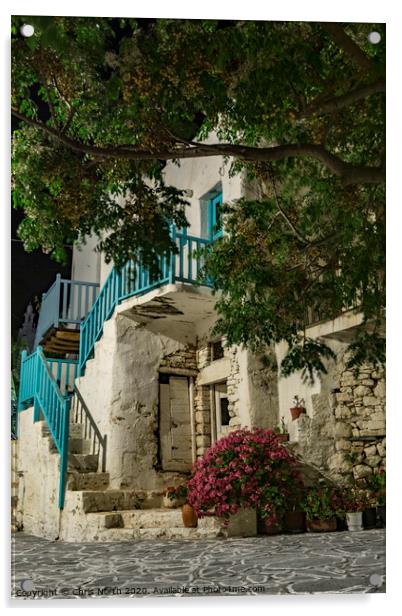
column 168, row 303
column 63, row 307
column 73, row 312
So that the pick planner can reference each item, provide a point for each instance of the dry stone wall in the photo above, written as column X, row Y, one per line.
column 345, row 434
column 360, row 421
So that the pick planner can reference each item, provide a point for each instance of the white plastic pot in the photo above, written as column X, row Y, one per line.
column 355, row 520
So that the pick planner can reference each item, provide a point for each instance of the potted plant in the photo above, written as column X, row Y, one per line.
column 370, row 513
column 179, row 494
column 294, row 519
column 321, row 505
column 377, row 483
column 248, row 468
column 281, row 431
column 381, row 497
column 355, row 501
column 298, row 407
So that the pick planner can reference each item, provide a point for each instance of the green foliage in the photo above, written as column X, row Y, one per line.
column 17, row 346
column 310, row 246
column 322, row 502
column 295, row 258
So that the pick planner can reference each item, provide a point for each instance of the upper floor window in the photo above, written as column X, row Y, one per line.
column 216, row 350
column 215, row 227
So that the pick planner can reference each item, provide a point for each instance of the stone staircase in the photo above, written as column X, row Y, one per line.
column 95, row 512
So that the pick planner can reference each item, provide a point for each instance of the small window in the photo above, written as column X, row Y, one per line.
column 217, row 351
column 215, row 217
column 225, row 417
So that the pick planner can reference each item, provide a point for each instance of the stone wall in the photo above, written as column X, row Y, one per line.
column 184, row 359
column 38, row 482
column 202, row 403
column 121, row 389
column 360, row 421
column 344, row 433
column 251, row 389
column 233, row 388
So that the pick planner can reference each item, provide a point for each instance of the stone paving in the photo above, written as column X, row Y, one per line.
column 340, row 562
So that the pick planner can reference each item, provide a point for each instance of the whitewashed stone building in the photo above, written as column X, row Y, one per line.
column 153, row 389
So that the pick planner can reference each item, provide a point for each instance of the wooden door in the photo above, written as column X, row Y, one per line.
column 175, row 427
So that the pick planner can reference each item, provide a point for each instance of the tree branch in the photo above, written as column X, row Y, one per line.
column 51, row 106
column 345, row 42
column 290, row 224
column 69, row 120
column 349, row 173
column 339, row 102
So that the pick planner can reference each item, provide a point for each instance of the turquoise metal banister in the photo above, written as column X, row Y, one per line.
column 67, row 302
column 38, row 387
column 64, row 371
column 135, row 279
column 92, row 327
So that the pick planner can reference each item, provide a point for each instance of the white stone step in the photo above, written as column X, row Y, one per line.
column 109, row 500
column 87, row 481
column 152, row 518
column 130, row 534
column 85, row 463
column 147, row 518
column 76, row 430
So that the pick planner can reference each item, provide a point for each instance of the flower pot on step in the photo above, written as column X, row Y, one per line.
column 189, row 516
column 283, row 438
column 355, row 520
column 296, row 411
column 295, row 522
column 321, row 526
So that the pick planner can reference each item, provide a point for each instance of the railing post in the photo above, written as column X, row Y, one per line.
column 104, row 454
column 36, row 413
column 57, row 291
column 22, row 380
column 172, row 273
column 64, row 450
column 118, row 283
column 82, row 350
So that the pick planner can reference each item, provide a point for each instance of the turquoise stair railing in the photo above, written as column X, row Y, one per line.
column 39, row 387
column 135, row 279
column 64, row 372
column 67, row 302
column 48, row 383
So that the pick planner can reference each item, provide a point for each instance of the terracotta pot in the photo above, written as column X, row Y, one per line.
column 321, row 526
column 283, row 437
column 189, row 516
column 296, row 411
column 295, row 521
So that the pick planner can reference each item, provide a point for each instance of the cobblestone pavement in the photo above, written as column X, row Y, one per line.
column 340, row 562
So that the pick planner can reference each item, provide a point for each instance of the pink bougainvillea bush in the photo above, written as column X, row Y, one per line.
column 247, row 468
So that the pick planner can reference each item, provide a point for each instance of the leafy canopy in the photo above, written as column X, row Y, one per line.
column 299, row 107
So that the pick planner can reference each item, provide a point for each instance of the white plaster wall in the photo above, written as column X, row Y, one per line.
column 38, row 490
column 86, row 263
column 291, row 386
column 201, row 175
column 121, row 389
column 263, row 393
